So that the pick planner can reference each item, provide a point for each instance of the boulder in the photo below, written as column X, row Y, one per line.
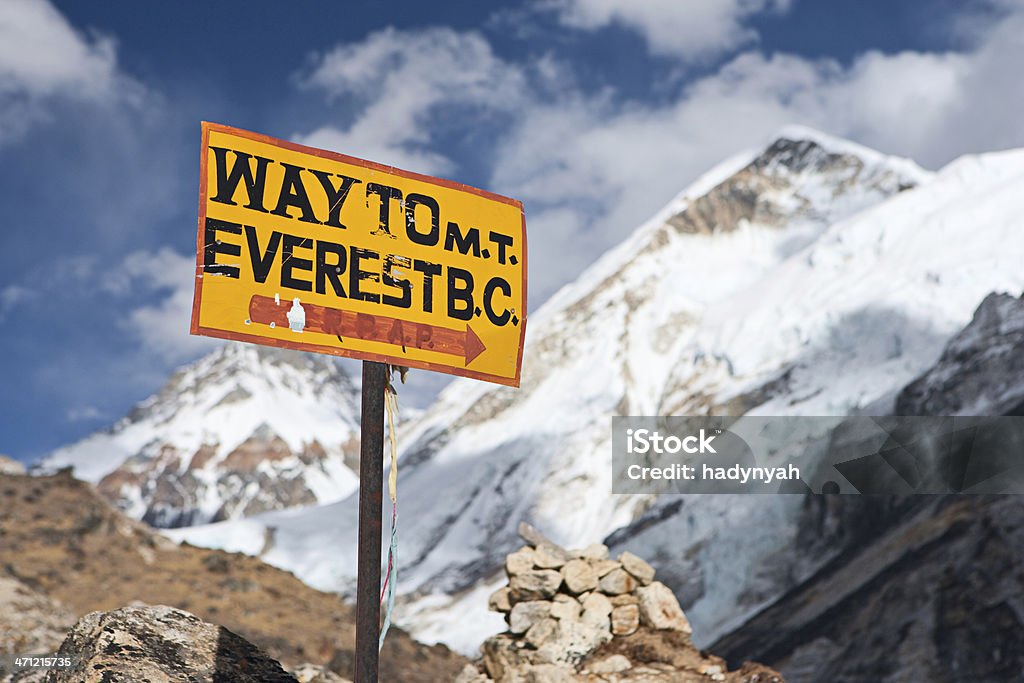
column 500, row 600
column 30, row 621
column 526, row 614
column 596, row 611
column 546, row 558
column 160, row 643
column 624, row 599
column 566, row 607
column 541, row 632
column 643, row 572
column 625, row 620
column 534, row 585
column 572, row 642
column 539, row 540
column 659, row 608
column 602, row 567
column 594, row 551
column 616, row 582
column 519, row 562
column 579, row 576
column 501, row 657
column 610, row 665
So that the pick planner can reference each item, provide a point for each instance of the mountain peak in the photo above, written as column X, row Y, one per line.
column 242, row 430
column 800, row 147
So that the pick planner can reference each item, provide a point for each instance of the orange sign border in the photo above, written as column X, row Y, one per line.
column 196, row 329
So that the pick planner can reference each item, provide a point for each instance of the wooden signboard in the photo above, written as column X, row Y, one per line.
column 307, row 249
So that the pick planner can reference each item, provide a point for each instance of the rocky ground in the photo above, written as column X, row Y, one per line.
column 573, row 616
column 580, row 616
column 66, row 552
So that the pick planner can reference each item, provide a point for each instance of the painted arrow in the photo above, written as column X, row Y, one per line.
column 368, row 327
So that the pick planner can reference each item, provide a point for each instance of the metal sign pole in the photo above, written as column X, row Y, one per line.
column 371, row 491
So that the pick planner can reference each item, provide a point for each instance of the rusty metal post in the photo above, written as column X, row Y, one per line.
column 371, row 491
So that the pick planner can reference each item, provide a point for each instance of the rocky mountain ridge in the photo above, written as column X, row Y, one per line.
column 244, row 430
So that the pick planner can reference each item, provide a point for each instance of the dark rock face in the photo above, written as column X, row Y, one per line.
column 746, row 196
column 160, row 643
column 981, row 372
column 934, row 596
column 920, row 588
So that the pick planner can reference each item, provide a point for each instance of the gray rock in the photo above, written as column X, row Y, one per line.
column 520, row 561
column 643, row 572
column 616, row 582
column 659, row 608
column 538, row 540
column 596, row 611
column 501, row 658
column 534, row 585
column 610, row 665
column 597, row 603
column 573, row 641
column 625, row 620
column 499, row 600
column 30, row 622
column 602, row 567
column 579, row 576
column 546, row 558
column 565, row 607
column 541, row 632
column 594, row 551
column 526, row 614
column 160, row 643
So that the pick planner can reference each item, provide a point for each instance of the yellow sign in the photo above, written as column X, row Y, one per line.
column 307, row 249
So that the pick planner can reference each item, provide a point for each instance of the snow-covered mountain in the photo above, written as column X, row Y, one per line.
column 911, row 588
column 812, row 277
column 244, row 430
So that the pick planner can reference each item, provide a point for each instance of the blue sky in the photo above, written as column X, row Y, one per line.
column 593, row 112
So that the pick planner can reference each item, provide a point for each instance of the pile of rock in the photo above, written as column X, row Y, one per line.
column 570, row 615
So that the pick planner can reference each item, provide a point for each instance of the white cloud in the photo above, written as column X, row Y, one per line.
column 161, row 326
column 591, row 167
column 404, row 78
column 613, row 166
column 40, row 53
column 690, row 29
column 42, row 56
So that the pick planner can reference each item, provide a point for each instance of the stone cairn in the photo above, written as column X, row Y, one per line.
column 562, row 605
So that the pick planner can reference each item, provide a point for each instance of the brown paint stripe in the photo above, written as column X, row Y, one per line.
column 368, row 327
